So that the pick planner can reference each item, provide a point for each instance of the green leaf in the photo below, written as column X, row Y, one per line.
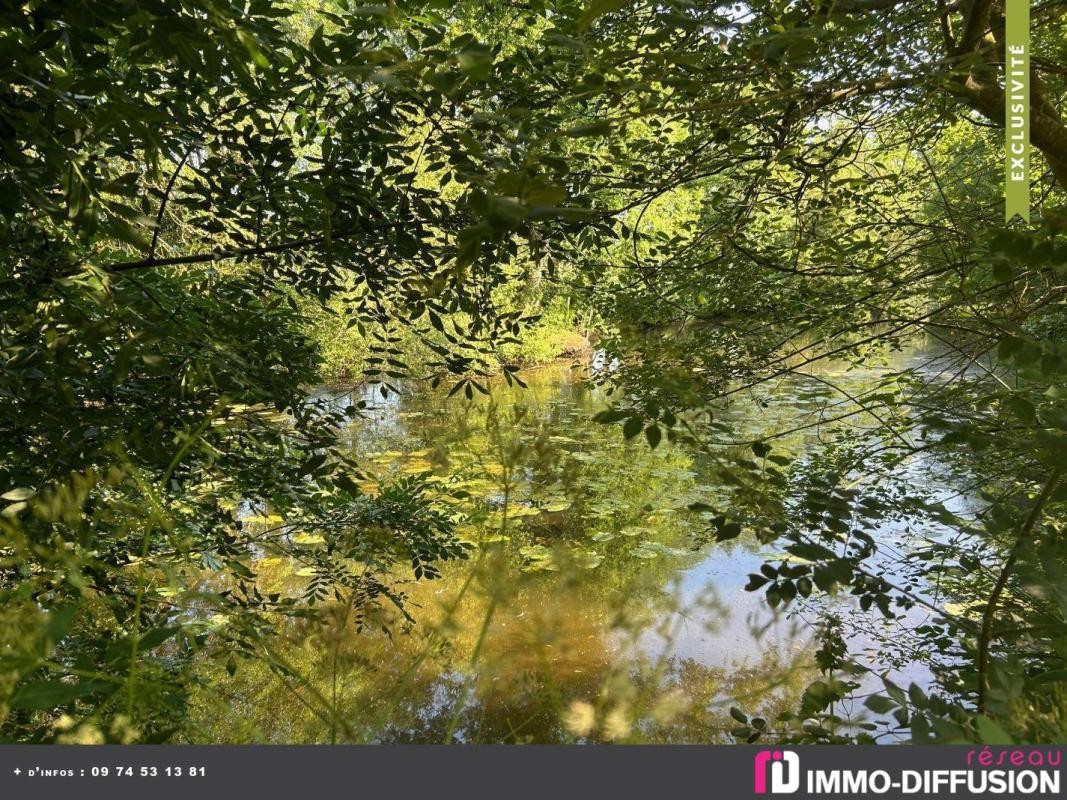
column 18, row 494
column 727, row 531
column 349, row 485
column 990, row 732
column 45, row 695
column 880, row 704
column 470, row 245
column 127, row 233
column 597, row 8
column 156, row 637
column 59, row 622
column 811, row 551
column 755, row 582
column 476, row 60
column 1052, row 676
column 601, row 128
column 653, row 434
column 537, row 193
column 253, row 48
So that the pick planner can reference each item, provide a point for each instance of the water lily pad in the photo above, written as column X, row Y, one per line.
column 588, row 559
column 537, row 558
column 522, row 511
column 645, row 550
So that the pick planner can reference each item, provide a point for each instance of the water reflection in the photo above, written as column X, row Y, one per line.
column 587, row 613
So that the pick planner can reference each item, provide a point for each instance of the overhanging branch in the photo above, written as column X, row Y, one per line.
column 242, row 252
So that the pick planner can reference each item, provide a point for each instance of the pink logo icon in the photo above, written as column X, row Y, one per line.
column 781, row 782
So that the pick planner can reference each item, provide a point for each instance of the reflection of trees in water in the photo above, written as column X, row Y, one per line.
column 683, row 703
column 553, row 665
column 587, row 615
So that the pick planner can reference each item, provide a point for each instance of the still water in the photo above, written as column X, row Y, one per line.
column 592, row 608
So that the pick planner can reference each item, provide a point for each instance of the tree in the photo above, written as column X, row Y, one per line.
column 740, row 192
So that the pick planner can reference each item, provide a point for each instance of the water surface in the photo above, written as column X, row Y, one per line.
column 593, row 607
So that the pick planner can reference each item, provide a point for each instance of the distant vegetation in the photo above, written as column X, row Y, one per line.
column 210, row 209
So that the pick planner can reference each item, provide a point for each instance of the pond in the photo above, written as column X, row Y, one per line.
column 592, row 608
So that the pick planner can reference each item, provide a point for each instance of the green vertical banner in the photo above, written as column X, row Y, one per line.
column 1017, row 110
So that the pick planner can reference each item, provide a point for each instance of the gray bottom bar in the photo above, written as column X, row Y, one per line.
column 475, row 772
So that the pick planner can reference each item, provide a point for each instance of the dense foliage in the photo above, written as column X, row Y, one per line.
column 208, row 204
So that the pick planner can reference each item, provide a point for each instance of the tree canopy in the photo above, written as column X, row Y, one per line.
column 732, row 193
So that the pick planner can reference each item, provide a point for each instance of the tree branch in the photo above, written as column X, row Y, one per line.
column 985, row 637
column 866, row 5
column 975, row 25
column 165, row 198
column 1046, row 133
column 240, row 252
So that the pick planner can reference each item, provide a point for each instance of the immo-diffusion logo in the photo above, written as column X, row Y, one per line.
column 784, row 771
column 1009, row 771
